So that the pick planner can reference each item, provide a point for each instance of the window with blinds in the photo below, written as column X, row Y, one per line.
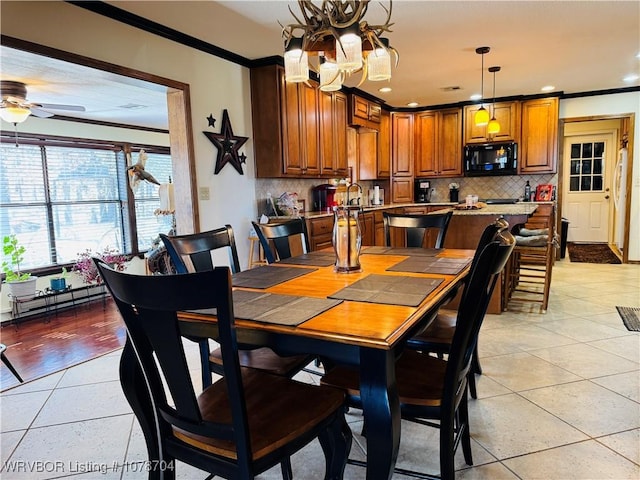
column 62, row 200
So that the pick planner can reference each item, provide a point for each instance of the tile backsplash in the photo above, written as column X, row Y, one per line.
column 511, row 186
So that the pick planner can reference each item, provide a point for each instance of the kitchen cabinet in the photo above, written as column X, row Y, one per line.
column 438, row 143
column 384, row 146
column 367, row 228
column 320, row 231
column 402, row 144
column 539, row 137
column 508, row 116
column 367, row 154
column 402, row 190
column 333, row 134
column 364, row 113
column 298, row 132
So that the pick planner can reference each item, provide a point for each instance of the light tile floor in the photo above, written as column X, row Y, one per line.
column 559, row 398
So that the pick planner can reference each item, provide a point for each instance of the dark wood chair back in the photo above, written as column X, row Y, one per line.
column 221, row 429
column 198, row 248
column 417, row 227
column 275, row 241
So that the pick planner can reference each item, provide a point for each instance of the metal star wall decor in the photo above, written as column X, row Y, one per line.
column 228, row 146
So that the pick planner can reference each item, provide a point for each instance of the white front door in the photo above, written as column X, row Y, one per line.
column 587, row 199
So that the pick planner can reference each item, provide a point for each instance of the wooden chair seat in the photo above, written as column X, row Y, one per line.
column 264, row 359
column 267, row 397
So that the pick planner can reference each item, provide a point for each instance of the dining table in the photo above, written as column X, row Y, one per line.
column 302, row 305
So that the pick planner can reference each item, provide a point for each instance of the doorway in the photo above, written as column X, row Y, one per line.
column 587, row 200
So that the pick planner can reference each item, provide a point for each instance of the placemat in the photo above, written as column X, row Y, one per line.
column 442, row 266
column 316, row 259
column 408, row 251
column 274, row 308
column 388, row 289
column 630, row 317
column 267, row 276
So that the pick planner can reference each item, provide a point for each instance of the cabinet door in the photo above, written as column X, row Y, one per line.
column 507, row 115
column 384, row 146
column 450, row 143
column 367, row 228
column 402, row 190
column 292, row 135
column 341, row 167
column 310, row 128
column 367, row 154
column 426, row 144
column 327, row 137
column 402, row 144
column 539, row 140
column 374, row 112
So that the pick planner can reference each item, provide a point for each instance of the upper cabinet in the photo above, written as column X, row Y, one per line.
column 539, row 139
column 384, row 146
column 402, row 144
column 333, row 134
column 364, row 113
column 438, row 143
column 297, row 131
column 508, row 116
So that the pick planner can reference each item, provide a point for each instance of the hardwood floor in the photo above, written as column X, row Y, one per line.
column 40, row 346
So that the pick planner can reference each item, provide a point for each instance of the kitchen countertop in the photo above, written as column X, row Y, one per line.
column 520, row 208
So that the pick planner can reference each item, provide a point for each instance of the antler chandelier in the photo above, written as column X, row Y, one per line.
column 337, row 33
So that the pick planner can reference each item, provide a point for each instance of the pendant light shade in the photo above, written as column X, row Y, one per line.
column 481, row 117
column 493, row 126
column 296, row 62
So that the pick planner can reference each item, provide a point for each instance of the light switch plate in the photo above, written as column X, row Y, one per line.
column 204, row 193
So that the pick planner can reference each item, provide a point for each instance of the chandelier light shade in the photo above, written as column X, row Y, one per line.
column 379, row 64
column 14, row 114
column 481, row 117
column 336, row 31
column 330, row 76
column 493, row 126
column 296, row 62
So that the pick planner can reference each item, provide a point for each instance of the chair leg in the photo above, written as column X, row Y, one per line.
column 447, row 443
column 336, row 445
column 463, row 415
column 6, row 361
column 471, row 378
column 285, row 465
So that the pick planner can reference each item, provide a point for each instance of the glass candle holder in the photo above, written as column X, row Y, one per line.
column 347, row 238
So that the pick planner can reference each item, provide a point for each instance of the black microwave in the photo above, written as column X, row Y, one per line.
column 485, row 159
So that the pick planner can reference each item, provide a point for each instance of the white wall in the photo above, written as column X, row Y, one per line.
column 215, row 85
column 620, row 103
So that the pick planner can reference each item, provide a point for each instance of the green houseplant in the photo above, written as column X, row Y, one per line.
column 19, row 284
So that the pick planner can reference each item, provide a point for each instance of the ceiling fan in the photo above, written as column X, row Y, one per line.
column 15, row 108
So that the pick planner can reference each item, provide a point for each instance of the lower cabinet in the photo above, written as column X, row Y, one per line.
column 320, row 231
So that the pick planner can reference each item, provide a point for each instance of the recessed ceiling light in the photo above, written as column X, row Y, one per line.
column 475, row 96
column 638, row 55
column 631, row 78
column 385, row 90
column 412, row 104
column 548, row 88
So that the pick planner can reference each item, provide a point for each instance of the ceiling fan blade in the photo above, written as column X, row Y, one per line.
column 58, row 106
column 37, row 112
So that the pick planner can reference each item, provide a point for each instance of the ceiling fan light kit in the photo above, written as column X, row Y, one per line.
column 481, row 117
column 338, row 35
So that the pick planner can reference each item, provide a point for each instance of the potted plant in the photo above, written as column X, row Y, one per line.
column 59, row 282
column 87, row 269
column 19, row 284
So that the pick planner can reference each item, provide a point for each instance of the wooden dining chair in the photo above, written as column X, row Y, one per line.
column 419, row 229
column 278, row 238
column 243, row 424
column 193, row 253
column 432, row 388
column 437, row 337
column 9, row 365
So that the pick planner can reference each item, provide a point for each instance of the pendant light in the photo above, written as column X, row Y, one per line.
column 296, row 62
column 481, row 117
column 493, row 126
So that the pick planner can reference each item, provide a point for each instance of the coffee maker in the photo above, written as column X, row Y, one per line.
column 422, row 191
column 323, row 197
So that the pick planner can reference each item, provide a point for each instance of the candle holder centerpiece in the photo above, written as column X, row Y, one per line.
column 347, row 235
